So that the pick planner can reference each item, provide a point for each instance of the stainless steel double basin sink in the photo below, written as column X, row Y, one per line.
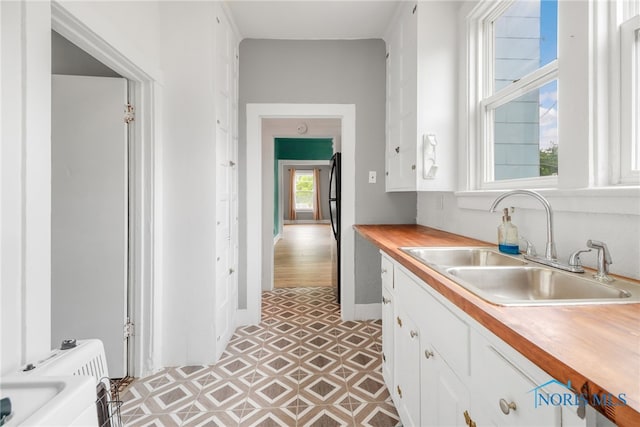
column 510, row 280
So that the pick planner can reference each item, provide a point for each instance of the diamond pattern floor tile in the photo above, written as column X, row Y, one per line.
column 301, row 366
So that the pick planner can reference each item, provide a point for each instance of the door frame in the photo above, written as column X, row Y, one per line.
column 261, row 254
column 145, row 240
column 281, row 165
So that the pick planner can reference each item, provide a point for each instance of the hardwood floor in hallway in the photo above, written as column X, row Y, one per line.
column 304, row 256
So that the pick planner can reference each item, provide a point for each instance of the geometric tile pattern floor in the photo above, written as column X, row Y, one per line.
column 301, row 366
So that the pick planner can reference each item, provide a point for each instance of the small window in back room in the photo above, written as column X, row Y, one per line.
column 304, row 190
column 520, row 101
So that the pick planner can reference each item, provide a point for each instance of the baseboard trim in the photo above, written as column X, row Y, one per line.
column 368, row 311
column 276, row 238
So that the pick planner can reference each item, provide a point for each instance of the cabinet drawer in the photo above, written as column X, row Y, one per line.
column 498, row 379
column 441, row 327
column 386, row 271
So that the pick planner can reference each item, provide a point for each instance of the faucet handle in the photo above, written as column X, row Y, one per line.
column 530, row 249
column 574, row 258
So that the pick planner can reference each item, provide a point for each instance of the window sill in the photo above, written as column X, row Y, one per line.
column 606, row 200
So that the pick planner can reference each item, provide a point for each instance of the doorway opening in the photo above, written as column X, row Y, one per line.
column 142, row 240
column 259, row 161
column 90, row 204
column 304, row 252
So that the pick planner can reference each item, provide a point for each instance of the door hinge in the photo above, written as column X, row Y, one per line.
column 128, row 329
column 129, row 113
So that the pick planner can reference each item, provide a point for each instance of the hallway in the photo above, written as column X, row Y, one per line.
column 304, row 256
column 301, row 366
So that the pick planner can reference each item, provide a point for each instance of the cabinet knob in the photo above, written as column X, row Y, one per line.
column 399, row 320
column 413, row 333
column 397, row 149
column 399, row 391
column 428, row 354
column 383, row 271
column 506, row 407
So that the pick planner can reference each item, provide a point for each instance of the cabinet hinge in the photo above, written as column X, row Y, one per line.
column 415, row 7
column 128, row 328
column 129, row 113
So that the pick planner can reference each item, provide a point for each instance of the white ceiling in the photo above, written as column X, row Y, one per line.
column 312, row 19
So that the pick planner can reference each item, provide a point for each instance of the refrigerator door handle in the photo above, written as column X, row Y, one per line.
column 332, row 199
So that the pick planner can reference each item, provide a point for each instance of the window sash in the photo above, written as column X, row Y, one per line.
column 299, row 174
column 630, row 101
column 490, row 101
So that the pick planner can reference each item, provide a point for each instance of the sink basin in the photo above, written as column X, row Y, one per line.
column 529, row 285
column 50, row 401
column 462, row 256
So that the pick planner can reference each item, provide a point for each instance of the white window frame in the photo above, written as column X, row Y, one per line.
column 305, row 172
column 590, row 153
column 481, row 36
column 629, row 102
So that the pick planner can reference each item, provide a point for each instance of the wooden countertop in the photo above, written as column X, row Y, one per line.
column 597, row 346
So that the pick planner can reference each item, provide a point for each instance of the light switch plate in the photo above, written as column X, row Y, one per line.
column 372, row 177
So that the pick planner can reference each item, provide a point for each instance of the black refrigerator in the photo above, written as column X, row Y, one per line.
column 334, row 214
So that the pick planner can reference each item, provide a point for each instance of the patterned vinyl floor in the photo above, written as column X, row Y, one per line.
column 302, row 366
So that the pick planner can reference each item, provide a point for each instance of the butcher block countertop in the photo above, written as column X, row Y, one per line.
column 593, row 345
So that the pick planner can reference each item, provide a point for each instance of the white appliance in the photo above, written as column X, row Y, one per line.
column 84, row 358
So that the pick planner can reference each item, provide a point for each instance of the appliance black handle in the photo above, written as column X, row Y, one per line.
column 332, row 199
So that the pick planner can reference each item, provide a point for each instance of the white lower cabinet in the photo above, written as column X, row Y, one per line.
column 387, row 336
column 508, row 392
column 445, row 369
column 388, row 313
column 407, row 368
column 444, row 397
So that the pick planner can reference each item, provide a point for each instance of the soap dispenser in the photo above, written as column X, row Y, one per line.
column 508, row 235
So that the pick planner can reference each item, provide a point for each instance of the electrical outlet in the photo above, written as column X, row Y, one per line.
column 372, row 177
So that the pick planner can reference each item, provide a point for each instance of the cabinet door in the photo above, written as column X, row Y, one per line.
column 407, row 365
column 498, row 378
column 444, row 398
column 387, row 341
column 386, row 273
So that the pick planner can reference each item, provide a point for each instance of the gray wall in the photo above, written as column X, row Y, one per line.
column 324, row 191
column 67, row 58
column 336, row 72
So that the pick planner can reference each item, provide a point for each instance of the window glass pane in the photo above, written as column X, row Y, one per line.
column 525, row 40
column 526, row 135
column 304, row 190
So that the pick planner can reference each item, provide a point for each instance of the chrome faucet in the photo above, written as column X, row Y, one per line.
column 550, row 248
column 604, row 259
column 550, row 256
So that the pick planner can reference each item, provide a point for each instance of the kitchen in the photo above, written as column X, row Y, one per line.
column 588, row 202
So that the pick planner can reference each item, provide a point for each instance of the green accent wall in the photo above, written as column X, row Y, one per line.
column 296, row 149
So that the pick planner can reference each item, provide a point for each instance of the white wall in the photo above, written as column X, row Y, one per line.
column 189, row 177
column 573, row 227
column 25, row 76
column 25, row 190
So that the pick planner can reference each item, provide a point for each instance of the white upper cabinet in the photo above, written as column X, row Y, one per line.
column 421, row 98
